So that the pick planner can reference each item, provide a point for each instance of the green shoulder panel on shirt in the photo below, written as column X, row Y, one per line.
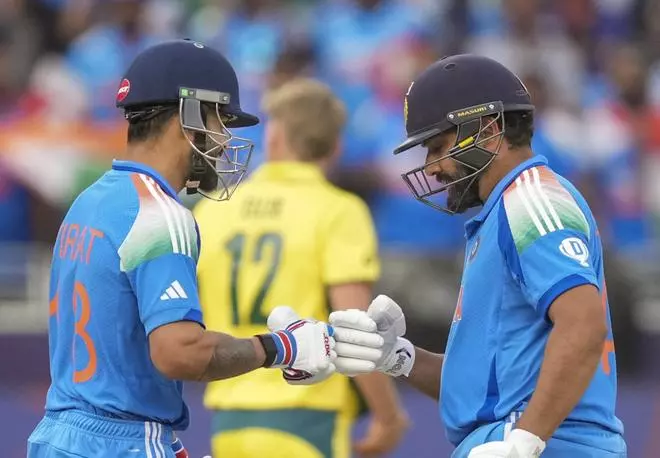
column 536, row 204
column 161, row 226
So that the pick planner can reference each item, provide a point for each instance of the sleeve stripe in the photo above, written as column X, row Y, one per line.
column 163, row 206
column 546, row 199
column 180, row 220
column 536, row 200
column 520, row 190
column 179, row 228
column 186, row 228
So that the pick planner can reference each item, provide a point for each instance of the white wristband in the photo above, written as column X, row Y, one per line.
column 527, row 443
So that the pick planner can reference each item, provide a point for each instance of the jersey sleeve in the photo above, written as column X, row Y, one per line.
column 545, row 238
column 350, row 250
column 159, row 255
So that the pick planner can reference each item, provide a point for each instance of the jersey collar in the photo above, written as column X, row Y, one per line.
column 473, row 224
column 288, row 170
column 136, row 167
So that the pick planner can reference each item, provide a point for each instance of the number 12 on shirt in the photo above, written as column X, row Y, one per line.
column 267, row 248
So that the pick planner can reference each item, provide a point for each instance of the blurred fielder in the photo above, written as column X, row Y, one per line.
column 289, row 236
column 125, row 320
column 529, row 367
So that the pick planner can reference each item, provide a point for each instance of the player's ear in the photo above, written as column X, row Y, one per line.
column 491, row 126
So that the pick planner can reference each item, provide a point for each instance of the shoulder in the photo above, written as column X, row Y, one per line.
column 339, row 202
column 160, row 226
column 539, row 202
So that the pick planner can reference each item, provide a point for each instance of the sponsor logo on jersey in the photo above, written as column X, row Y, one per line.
column 576, row 249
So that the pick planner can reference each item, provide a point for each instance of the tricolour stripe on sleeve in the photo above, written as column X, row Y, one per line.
column 536, row 204
column 166, row 213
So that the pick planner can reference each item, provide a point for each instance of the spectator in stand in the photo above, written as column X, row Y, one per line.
column 101, row 55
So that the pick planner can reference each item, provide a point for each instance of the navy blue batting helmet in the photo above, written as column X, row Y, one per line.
column 466, row 93
column 159, row 74
column 454, row 84
column 201, row 83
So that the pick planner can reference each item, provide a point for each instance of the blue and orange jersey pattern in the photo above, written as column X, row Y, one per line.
column 124, row 264
column 534, row 239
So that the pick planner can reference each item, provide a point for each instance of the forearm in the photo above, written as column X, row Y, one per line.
column 571, row 357
column 229, row 356
column 185, row 351
column 380, row 394
column 425, row 374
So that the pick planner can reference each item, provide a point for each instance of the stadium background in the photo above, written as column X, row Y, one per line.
column 593, row 67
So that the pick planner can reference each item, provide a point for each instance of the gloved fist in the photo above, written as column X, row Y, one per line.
column 518, row 444
column 372, row 340
column 312, row 342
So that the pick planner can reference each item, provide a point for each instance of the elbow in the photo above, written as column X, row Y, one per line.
column 177, row 351
column 177, row 362
column 170, row 367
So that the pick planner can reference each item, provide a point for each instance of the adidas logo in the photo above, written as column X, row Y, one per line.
column 174, row 291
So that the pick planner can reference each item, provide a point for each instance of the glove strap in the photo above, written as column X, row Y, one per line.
column 280, row 348
column 402, row 360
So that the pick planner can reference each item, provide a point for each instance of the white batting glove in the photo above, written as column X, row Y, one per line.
column 316, row 362
column 373, row 337
column 518, row 444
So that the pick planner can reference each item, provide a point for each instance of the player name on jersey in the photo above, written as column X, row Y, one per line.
column 257, row 207
column 76, row 242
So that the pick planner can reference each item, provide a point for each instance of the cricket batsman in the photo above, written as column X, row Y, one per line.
column 125, row 320
column 529, row 369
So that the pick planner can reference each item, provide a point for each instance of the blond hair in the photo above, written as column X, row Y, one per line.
column 311, row 115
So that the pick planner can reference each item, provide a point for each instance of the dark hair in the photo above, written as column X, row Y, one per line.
column 147, row 123
column 519, row 128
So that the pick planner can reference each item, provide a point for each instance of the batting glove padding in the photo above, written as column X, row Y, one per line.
column 312, row 355
column 368, row 341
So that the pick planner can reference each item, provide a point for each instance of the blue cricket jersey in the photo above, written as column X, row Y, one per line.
column 534, row 239
column 124, row 264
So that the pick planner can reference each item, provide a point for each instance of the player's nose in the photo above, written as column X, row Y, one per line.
column 432, row 164
column 432, row 167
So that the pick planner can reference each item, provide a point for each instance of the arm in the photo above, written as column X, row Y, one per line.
column 185, row 351
column 377, row 388
column 571, row 357
column 425, row 374
column 179, row 346
column 388, row 419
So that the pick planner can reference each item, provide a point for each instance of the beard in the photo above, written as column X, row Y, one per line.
column 200, row 170
column 208, row 181
column 463, row 195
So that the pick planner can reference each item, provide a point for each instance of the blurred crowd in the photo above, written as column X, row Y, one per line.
column 592, row 66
